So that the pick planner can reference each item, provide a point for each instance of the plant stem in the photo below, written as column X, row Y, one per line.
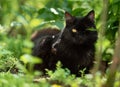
column 115, row 64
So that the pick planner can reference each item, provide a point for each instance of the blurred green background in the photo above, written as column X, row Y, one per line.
column 19, row 18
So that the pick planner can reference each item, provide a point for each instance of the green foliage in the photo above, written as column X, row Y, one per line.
column 7, row 60
column 111, row 28
column 10, row 80
column 18, row 20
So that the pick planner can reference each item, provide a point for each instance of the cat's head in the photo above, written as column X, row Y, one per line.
column 80, row 23
column 80, row 30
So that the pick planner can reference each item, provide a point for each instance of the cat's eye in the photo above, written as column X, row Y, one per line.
column 74, row 30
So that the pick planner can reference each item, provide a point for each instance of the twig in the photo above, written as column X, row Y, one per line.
column 115, row 64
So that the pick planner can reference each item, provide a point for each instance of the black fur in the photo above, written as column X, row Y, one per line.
column 73, row 46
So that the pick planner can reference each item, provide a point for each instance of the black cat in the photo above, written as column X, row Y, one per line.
column 73, row 46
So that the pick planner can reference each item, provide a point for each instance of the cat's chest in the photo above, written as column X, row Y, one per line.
column 75, row 54
column 74, row 51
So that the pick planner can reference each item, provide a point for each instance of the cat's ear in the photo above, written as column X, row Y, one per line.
column 91, row 15
column 68, row 17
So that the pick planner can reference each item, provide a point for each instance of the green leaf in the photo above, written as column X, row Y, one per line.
column 92, row 29
column 26, row 58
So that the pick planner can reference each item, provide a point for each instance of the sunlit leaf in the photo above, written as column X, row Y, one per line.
column 26, row 58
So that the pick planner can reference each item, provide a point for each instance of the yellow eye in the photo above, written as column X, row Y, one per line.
column 74, row 30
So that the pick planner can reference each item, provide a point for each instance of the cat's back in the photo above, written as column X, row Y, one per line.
column 44, row 32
